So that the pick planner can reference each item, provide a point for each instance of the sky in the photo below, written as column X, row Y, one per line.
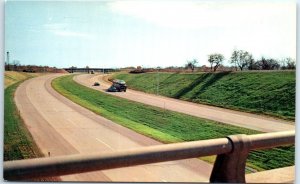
column 146, row 33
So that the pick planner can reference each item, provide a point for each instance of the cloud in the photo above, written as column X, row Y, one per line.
column 201, row 14
column 61, row 29
column 175, row 14
column 264, row 27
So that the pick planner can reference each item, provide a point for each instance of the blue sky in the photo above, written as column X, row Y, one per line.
column 147, row 33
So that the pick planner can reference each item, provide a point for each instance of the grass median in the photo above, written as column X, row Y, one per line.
column 164, row 125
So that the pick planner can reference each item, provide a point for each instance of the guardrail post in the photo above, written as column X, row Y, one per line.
column 230, row 167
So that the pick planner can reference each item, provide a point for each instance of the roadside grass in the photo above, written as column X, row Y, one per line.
column 164, row 125
column 12, row 77
column 18, row 143
column 269, row 93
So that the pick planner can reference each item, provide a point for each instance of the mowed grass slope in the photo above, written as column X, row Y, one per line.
column 163, row 125
column 18, row 143
column 12, row 77
column 270, row 93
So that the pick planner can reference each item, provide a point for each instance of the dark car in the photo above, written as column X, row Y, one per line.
column 96, row 84
column 118, row 86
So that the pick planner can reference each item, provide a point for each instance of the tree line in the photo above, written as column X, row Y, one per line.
column 15, row 65
column 243, row 60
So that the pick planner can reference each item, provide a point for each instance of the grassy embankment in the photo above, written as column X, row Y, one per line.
column 269, row 93
column 11, row 77
column 18, row 143
column 166, row 126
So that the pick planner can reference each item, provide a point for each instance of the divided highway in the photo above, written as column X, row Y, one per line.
column 61, row 127
column 242, row 119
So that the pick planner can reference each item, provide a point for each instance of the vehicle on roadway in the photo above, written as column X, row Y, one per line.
column 96, row 84
column 118, row 86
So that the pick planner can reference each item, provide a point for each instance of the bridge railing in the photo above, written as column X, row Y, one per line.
column 229, row 166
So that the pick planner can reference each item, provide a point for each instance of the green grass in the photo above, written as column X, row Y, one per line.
column 166, row 126
column 270, row 93
column 18, row 143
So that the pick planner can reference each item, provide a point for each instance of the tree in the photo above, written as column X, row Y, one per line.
column 72, row 69
column 88, row 69
column 234, row 58
column 16, row 64
column 268, row 64
column 252, row 65
column 288, row 63
column 274, row 64
column 215, row 59
column 291, row 65
column 242, row 59
column 191, row 64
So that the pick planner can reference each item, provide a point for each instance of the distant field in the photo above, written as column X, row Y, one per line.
column 164, row 125
column 18, row 143
column 270, row 93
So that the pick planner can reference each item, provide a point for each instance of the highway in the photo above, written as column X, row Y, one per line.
column 237, row 118
column 61, row 127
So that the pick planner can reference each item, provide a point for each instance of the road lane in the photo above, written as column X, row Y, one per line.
column 62, row 127
column 247, row 120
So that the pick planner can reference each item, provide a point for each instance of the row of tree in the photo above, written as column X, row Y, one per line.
column 17, row 66
column 244, row 60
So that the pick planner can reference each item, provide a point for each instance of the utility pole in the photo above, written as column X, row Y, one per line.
column 7, row 60
column 157, row 87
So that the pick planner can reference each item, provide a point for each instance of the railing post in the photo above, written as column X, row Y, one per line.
column 230, row 167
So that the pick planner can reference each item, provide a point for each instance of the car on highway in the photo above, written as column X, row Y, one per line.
column 96, row 84
column 118, row 86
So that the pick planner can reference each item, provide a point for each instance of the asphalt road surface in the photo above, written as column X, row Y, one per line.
column 242, row 119
column 62, row 127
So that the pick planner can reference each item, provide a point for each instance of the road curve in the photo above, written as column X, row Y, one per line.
column 242, row 119
column 61, row 127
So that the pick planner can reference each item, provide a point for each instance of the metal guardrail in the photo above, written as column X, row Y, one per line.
column 229, row 166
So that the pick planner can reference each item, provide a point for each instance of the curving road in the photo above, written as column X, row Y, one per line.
column 242, row 119
column 61, row 127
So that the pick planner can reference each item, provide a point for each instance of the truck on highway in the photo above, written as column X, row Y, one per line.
column 118, row 86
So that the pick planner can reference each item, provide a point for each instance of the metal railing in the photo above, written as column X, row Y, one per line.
column 229, row 166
